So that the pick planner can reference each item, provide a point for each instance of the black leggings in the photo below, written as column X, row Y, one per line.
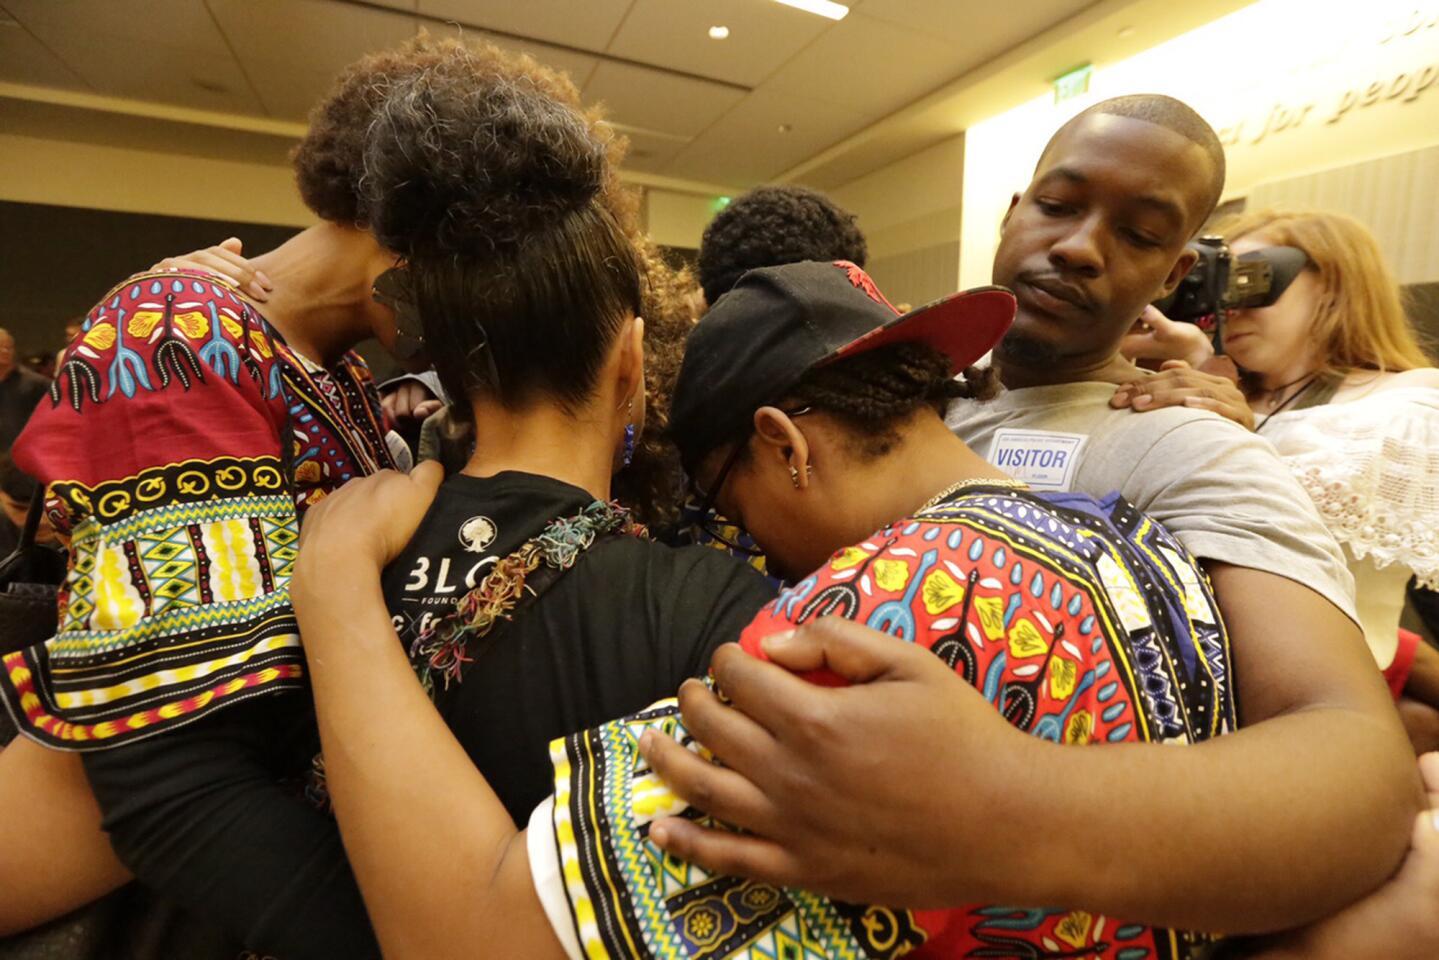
column 199, row 815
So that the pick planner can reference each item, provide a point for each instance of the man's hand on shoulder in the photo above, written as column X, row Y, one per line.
column 848, row 791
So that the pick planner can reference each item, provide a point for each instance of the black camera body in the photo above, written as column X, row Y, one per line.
column 1221, row 281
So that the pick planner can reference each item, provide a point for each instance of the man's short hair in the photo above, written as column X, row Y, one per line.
column 1171, row 114
column 772, row 226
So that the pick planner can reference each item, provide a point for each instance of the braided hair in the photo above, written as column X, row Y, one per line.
column 873, row 393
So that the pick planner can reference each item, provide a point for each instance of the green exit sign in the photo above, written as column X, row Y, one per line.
column 1072, row 83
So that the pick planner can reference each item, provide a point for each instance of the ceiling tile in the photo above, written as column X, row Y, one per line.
column 649, row 152
column 579, row 66
column 314, row 35
column 587, row 24
column 165, row 74
column 288, row 92
column 170, row 23
column 658, row 101
column 675, row 34
column 985, row 29
column 746, row 146
column 23, row 59
column 872, row 66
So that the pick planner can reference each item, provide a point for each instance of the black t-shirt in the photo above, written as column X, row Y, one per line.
column 622, row 628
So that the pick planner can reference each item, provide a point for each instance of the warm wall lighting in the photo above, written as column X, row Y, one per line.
column 719, row 32
column 825, row 8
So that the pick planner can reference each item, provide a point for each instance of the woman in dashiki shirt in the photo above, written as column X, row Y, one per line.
column 187, row 432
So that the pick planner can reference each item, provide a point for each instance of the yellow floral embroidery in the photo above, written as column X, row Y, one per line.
column 261, row 344
column 1025, row 640
column 232, row 327
column 1074, row 929
column 891, row 575
column 101, row 336
column 142, row 322
column 1063, row 677
column 991, row 616
column 1079, row 729
column 193, row 324
column 848, row 557
column 941, row 592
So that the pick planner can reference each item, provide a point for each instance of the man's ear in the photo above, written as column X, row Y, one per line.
column 1179, row 271
column 1013, row 202
column 785, row 441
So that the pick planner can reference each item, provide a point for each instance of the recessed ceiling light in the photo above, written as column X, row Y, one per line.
column 719, row 32
column 1126, row 32
column 785, row 128
column 825, row 8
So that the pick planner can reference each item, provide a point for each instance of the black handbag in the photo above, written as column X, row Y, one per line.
column 30, row 578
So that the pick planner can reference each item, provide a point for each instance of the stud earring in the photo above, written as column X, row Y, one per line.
column 794, row 474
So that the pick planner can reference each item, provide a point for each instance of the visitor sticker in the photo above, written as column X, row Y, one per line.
column 1044, row 459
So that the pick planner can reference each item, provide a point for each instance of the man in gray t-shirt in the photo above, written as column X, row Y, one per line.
column 1217, row 487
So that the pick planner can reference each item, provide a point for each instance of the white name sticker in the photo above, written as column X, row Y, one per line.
column 1041, row 458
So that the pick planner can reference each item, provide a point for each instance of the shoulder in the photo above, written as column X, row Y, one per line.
column 1362, row 384
column 701, row 572
column 1184, row 421
column 157, row 330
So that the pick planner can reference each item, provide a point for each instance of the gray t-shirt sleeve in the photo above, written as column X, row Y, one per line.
column 1226, row 495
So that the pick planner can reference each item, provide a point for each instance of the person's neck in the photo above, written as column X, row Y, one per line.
column 1111, row 368
column 5, row 371
column 1291, row 374
column 321, row 289
column 929, row 459
column 543, row 440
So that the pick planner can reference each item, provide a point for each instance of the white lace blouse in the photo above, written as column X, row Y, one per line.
column 1372, row 468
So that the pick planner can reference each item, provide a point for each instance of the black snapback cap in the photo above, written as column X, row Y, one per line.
column 778, row 323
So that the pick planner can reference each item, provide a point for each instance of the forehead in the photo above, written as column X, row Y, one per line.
column 1131, row 158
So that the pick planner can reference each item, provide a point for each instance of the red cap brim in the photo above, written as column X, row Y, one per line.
column 963, row 326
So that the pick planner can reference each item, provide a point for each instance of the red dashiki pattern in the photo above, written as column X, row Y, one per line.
column 181, row 441
column 1082, row 622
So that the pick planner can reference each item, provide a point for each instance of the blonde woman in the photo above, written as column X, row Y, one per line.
column 1334, row 376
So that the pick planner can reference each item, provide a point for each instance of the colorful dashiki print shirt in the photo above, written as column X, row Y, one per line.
column 163, row 448
column 1082, row 622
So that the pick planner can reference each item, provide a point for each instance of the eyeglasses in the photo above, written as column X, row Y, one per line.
column 392, row 290
column 707, row 517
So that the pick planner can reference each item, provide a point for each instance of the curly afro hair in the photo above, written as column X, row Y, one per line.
column 329, row 162
column 771, row 226
column 485, row 172
column 653, row 484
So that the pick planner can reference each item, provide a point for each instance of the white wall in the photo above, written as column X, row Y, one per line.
column 677, row 219
column 71, row 174
column 1293, row 87
column 74, row 173
column 911, row 214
